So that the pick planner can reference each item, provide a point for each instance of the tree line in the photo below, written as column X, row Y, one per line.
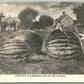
column 28, row 19
column 27, row 16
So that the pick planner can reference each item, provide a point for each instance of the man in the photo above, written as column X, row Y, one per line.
column 59, row 26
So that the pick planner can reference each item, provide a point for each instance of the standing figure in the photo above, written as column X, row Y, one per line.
column 59, row 26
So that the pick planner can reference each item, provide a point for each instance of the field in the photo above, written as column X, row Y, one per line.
column 40, row 63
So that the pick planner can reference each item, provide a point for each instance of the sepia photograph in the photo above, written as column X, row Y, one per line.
column 41, row 38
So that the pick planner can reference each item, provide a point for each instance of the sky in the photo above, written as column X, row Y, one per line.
column 53, row 9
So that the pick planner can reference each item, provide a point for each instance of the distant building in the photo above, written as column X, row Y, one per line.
column 10, row 23
column 65, row 21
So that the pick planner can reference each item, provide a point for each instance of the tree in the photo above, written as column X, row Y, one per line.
column 13, row 25
column 36, row 25
column 27, row 16
column 1, row 15
column 3, row 26
column 28, row 22
column 45, row 21
column 79, row 11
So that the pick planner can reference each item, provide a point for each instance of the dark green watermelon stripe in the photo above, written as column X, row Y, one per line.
column 62, row 34
column 70, row 42
column 62, row 37
column 62, row 45
column 13, row 49
column 64, row 49
column 66, row 54
column 16, row 46
column 9, row 45
column 11, row 42
column 13, row 52
column 11, row 58
column 63, row 40
column 57, row 34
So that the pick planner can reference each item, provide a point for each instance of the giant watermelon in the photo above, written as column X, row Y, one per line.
column 60, row 45
column 20, row 45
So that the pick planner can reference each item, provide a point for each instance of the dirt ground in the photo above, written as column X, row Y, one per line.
column 40, row 63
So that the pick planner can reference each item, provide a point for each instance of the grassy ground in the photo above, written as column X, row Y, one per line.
column 40, row 63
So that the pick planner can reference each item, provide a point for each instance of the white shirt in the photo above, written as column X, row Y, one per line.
column 82, row 36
